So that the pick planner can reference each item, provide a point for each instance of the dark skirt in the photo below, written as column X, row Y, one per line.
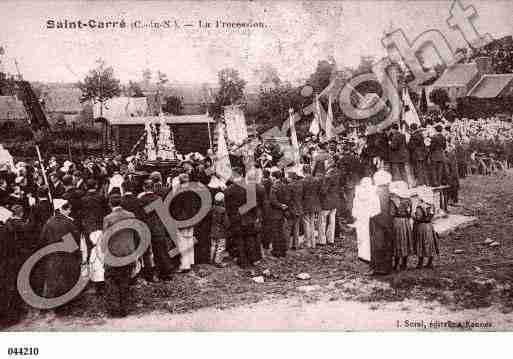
column 402, row 237
column 381, row 248
column 425, row 240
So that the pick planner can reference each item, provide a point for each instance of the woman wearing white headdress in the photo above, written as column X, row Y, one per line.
column 381, row 237
column 365, row 205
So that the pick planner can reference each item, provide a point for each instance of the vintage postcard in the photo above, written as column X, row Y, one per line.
column 255, row 166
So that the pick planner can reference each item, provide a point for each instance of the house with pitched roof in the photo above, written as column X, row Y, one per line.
column 458, row 79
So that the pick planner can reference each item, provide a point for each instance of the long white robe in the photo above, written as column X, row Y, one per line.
column 365, row 205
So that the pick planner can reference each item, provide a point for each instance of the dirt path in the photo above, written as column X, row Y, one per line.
column 288, row 314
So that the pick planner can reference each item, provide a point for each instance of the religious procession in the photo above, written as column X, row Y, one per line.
column 176, row 211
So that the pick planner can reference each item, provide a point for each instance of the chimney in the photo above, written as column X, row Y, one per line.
column 484, row 65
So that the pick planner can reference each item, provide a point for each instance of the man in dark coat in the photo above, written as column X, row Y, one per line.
column 312, row 192
column 74, row 197
column 94, row 208
column 399, row 155
column 121, row 244
column 159, row 235
column 267, row 184
column 42, row 211
column 437, row 155
column 131, row 203
column 62, row 269
column 418, row 155
column 296, row 188
column 244, row 227
column 280, row 201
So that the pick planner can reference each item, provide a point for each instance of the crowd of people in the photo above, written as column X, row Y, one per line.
column 381, row 180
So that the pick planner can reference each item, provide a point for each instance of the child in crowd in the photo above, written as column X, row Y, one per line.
column 218, row 231
column 400, row 211
column 425, row 239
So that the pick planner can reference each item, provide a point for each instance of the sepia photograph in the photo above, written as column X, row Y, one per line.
column 255, row 166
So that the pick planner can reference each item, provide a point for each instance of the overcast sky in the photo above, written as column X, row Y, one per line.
column 296, row 36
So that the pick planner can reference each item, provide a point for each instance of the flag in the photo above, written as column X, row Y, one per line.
column 222, row 165
column 316, row 122
column 293, row 137
column 423, row 102
column 410, row 113
column 329, row 121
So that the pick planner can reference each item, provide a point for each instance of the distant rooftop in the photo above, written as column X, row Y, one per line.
column 171, row 120
column 458, row 75
column 491, row 86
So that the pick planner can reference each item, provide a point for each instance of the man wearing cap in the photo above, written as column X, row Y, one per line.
column 159, row 237
column 94, row 208
column 399, row 155
column 280, row 200
column 437, row 155
column 121, row 244
column 245, row 223
column 74, row 197
column 131, row 203
column 56, row 186
column 42, row 210
column 418, row 155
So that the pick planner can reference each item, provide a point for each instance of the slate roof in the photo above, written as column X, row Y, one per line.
column 121, row 107
column 490, row 86
column 458, row 75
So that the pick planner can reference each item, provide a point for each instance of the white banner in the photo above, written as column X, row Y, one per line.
column 236, row 128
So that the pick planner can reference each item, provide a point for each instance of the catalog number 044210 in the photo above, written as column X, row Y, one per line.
column 23, row 351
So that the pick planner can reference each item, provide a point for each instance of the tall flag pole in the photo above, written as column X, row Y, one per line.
column 316, row 122
column 293, row 137
column 329, row 121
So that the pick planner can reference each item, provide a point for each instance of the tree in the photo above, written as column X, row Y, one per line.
column 231, row 91
column 268, row 76
column 173, row 105
column 99, row 85
column 274, row 104
column 134, row 90
column 320, row 79
column 439, row 97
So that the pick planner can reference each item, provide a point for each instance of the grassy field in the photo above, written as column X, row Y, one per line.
column 478, row 277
